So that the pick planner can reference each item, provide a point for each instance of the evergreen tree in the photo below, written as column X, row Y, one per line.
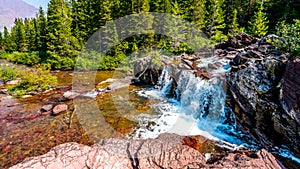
column 7, row 41
column 80, row 20
column 1, row 42
column 234, row 26
column 30, row 34
column 198, row 13
column 60, row 42
column 41, row 32
column 259, row 23
column 20, row 35
column 215, row 20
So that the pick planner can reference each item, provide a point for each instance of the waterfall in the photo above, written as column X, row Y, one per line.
column 188, row 105
column 165, row 81
column 205, row 101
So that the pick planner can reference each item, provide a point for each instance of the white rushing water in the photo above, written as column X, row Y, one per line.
column 197, row 107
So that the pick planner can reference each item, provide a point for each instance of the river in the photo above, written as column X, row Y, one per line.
column 133, row 112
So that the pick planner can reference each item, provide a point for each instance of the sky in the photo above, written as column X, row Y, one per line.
column 38, row 3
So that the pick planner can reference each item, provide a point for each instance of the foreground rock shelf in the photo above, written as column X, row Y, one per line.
column 167, row 151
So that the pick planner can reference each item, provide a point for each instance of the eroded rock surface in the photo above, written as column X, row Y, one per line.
column 168, row 151
column 255, row 82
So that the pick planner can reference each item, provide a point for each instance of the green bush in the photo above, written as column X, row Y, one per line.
column 24, row 58
column 38, row 79
column 8, row 73
column 291, row 34
column 58, row 62
column 4, row 55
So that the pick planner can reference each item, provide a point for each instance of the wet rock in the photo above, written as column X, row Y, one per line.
column 167, row 151
column 239, row 41
column 32, row 116
column 291, row 90
column 4, row 91
column 70, row 95
column 26, row 96
column 46, row 108
column 60, row 109
column 255, row 83
column 148, row 69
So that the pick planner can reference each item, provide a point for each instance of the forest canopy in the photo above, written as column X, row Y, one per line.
column 56, row 37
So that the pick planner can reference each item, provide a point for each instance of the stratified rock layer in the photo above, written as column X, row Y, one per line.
column 255, row 82
column 168, row 151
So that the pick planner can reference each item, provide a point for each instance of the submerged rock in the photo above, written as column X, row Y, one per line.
column 167, row 151
column 70, row 95
column 59, row 109
column 46, row 108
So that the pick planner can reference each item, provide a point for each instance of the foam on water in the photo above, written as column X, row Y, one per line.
column 198, row 108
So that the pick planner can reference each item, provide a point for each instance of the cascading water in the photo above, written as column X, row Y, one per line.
column 192, row 106
column 189, row 106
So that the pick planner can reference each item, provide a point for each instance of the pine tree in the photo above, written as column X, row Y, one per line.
column 62, row 46
column 259, row 23
column 234, row 26
column 20, row 36
column 7, row 41
column 30, row 34
column 80, row 21
column 198, row 13
column 215, row 20
column 41, row 32
column 1, row 43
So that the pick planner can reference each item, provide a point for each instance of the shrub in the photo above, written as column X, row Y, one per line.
column 8, row 73
column 24, row 58
column 3, row 55
column 37, row 79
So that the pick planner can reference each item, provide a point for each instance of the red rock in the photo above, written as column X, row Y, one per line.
column 32, row 116
column 46, row 108
column 59, row 109
column 167, row 151
column 46, row 113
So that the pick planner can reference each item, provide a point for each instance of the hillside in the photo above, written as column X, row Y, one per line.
column 11, row 9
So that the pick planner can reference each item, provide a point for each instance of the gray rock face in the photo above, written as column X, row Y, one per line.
column 291, row 90
column 148, row 69
column 168, row 151
column 255, row 82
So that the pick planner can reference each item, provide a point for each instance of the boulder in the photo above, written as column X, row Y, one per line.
column 46, row 108
column 59, row 109
column 239, row 41
column 167, row 151
column 70, row 95
column 148, row 69
column 13, row 82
